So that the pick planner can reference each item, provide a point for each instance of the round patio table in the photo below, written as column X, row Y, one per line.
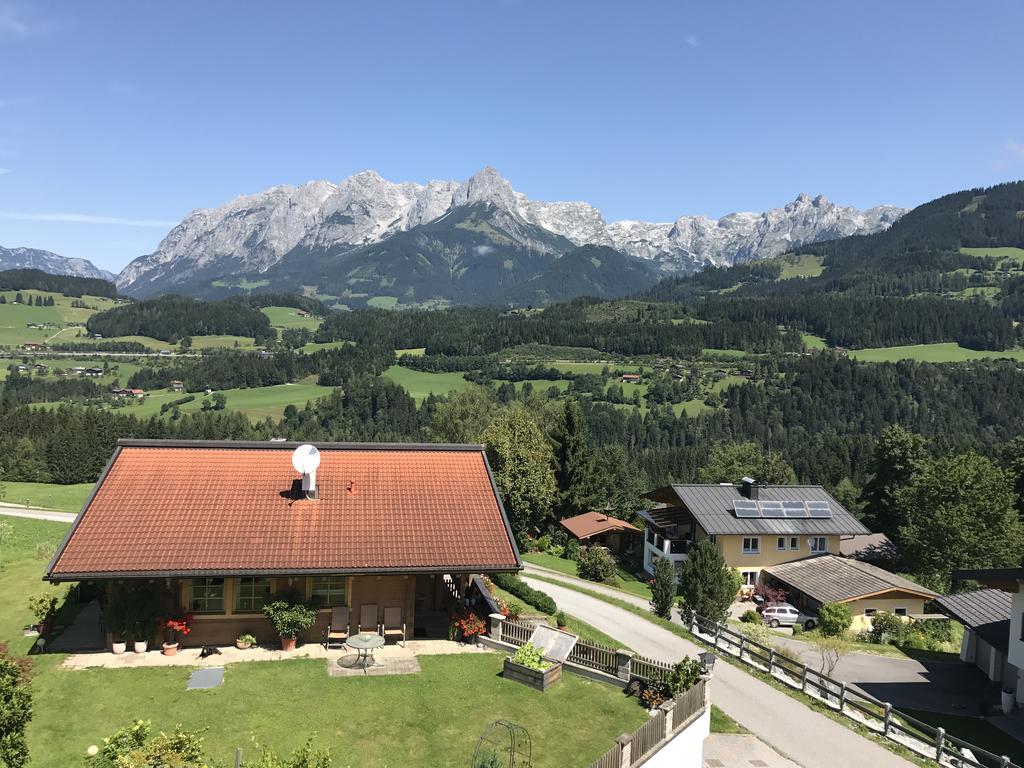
column 365, row 643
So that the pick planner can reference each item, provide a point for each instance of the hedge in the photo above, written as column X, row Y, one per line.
column 525, row 592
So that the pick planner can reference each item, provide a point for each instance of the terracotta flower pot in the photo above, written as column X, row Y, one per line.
column 43, row 627
column 170, row 649
column 243, row 646
column 287, row 643
column 118, row 647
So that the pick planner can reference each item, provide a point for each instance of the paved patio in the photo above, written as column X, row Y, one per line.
column 735, row 750
column 391, row 659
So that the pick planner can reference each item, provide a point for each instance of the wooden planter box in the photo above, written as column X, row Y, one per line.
column 535, row 678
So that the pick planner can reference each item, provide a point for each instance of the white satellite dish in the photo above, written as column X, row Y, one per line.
column 306, row 459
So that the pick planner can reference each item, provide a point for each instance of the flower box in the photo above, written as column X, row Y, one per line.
column 535, row 678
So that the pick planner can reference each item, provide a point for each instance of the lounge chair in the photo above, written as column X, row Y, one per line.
column 368, row 619
column 337, row 630
column 393, row 625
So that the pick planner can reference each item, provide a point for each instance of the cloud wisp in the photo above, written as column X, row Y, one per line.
column 84, row 218
column 11, row 23
column 4, row 171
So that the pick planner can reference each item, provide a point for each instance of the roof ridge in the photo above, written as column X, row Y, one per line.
column 127, row 442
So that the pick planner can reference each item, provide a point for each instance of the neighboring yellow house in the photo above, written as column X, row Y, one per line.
column 865, row 588
column 754, row 526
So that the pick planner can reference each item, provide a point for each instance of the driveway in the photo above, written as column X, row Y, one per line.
column 794, row 730
column 949, row 687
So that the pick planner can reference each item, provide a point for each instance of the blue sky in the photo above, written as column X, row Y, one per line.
column 116, row 119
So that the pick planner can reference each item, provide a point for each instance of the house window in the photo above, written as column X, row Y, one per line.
column 900, row 611
column 749, row 578
column 713, row 538
column 780, row 544
column 819, row 544
column 794, row 543
column 751, row 545
column 329, row 591
column 870, row 611
column 206, row 596
column 252, row 594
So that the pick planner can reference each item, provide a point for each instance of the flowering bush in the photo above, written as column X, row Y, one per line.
column 176, row 626
column 466, row 625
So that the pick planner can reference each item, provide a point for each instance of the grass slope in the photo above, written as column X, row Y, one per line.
column 64, row 498
column 932, row 353
column 623, row 580
column 419, row 384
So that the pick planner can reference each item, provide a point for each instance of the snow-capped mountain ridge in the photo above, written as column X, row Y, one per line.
column 252, row 233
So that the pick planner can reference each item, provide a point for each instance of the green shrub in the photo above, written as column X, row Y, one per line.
column 560, row 619
column 595, row 564
column 939, row 630
column 15, row 710
column 663, row 588
column 751, row 617
column 834, row 619
column 572, row 549
column 525, row 592
column 289, row 619
column 304, row 757
column 135, row 747
column 556, row 550
column 529, row 656
column 798, row 629
column 887, row 628
column 542, row 543
column 43, row 606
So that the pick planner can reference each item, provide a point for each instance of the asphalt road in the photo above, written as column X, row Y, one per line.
column 792, row 729
column 16, row 510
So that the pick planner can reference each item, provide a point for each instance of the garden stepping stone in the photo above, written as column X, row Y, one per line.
column 202, row 679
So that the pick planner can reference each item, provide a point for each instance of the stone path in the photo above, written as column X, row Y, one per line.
column 82, row 634
column 791, row 728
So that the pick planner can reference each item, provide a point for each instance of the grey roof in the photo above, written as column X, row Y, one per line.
column 870, row 547
column 712, row 507
column 986, row 611
column 834, row 579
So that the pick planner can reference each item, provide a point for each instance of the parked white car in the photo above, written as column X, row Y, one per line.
column 780, row 615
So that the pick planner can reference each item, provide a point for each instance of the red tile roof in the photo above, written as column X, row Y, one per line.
column 166, row 508
column 593, row 523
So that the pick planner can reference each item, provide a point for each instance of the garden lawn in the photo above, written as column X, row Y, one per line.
column 65, row 498
column 23, row 560
column 432, row 718
column 623, row 579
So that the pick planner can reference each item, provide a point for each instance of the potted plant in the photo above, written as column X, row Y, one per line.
column 467, row 627
column 560, row 621
column 175, row 627
column 244, row 642
column 290, row 619
column 44, row 608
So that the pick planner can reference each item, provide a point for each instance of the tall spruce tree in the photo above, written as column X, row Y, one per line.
column 574, row 464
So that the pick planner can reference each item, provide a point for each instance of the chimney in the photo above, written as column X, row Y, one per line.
column 748, row 487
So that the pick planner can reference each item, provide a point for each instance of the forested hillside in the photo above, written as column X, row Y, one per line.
column 171, row 318
column 35, row 279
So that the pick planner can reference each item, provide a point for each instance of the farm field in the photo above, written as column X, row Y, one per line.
column 806, row 265
column 1000, row 253
column 225, row 341
column 813, row 342
column 289, row 317
column 65, row 498
column 420, row 384
column 315, row 346
column 256, row 403
column 575, row 367
column 382, row 302
column 932, row 353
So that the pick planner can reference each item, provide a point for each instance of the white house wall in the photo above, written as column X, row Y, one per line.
column 1016, row 654
column 686, row 750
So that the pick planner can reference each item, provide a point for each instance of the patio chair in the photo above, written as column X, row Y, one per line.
column 368, row 618
column 337, row 630
column 393, row 625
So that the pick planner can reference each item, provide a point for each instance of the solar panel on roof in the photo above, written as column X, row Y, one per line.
column 794, row 508
column 772, row 509
column 819, row 509
column 745, row 508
